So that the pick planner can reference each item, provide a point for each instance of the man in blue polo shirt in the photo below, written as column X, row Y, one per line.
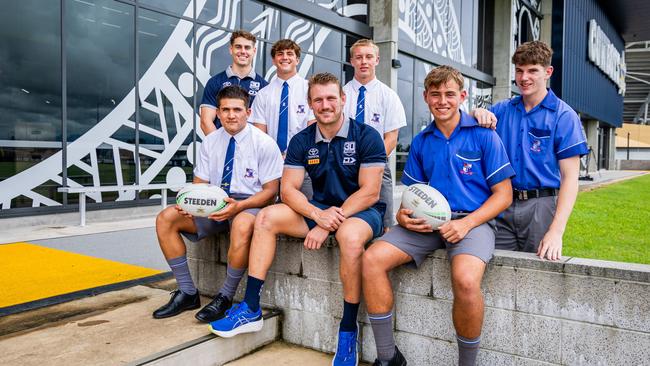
column 345, row 160
column 544, row 140
column 469, row 166
column 242, row 50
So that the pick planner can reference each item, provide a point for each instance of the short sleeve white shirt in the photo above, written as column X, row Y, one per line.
column 266, row 107
column 257, row 160
column 383, row 110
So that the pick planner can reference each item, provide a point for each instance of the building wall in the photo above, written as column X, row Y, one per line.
column 576, row 80
column 570, row 312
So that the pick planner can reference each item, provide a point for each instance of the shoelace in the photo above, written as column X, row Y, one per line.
column 347, row 343
column 233, row 312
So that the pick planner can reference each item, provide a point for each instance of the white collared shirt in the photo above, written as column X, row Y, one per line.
column 266, row 107
column 383, row 110
column 257, row 160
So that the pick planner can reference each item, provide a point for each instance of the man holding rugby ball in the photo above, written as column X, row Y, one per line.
column 247, row 164
column 469, row 166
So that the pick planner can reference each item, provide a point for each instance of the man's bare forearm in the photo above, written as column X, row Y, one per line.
column 499, row 200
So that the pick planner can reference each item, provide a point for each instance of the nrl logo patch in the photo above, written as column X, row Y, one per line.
column 254, row 85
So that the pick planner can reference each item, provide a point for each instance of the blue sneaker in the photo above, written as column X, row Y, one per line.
column 239, row 319
column 346, row 351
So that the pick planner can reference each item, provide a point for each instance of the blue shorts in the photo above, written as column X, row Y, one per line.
column 371, row 216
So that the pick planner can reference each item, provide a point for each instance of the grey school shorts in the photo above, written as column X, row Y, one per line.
column 479, row 242
column 206, row 227
column 523, row 225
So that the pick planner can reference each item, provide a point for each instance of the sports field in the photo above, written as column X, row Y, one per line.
column 612, row 223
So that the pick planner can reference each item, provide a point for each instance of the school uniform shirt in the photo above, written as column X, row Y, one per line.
column 538, row 139
column 383, row 109
column 257, row 160
column 252, row 83
column 462, row 167
column 266, row 108
column 333, row 165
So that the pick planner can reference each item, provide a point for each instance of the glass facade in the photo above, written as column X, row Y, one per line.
column 106, row 92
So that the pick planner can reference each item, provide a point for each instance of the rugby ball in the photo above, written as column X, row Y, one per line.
column 200, row 199
column 427, row 203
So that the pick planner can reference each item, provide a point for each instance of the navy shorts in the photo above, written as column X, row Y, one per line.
column 371, row 216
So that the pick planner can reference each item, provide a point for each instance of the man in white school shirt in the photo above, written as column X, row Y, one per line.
column 280, row 109
column 372, row 102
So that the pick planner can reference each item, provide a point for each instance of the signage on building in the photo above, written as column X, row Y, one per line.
column 603, row 53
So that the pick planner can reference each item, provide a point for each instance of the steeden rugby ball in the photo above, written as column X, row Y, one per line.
column 201, row 199
column 427, row 203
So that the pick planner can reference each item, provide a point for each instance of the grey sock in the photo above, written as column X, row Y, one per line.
column 233, row 276
column 382, row 328
column 467, row 350
column 181, row 272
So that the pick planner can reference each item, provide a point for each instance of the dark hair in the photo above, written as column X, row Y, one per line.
column 285, row 44
column 243, row 34
column 441, row 75
column 533, row 53
column 323, row 78
column 233, row 92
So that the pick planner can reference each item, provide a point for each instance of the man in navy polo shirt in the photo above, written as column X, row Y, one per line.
column 345, row 160
column 469, row 166
column 240, row 72
column 544, row 140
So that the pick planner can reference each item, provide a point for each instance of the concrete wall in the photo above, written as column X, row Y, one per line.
column 573, row 312
column 633, row 164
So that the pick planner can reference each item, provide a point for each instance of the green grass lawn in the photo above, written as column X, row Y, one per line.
column 612, row 223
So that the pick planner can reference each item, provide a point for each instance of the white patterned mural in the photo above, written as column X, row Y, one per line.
column 158, row 89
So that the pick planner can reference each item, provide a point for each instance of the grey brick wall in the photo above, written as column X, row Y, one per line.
column 572, row 312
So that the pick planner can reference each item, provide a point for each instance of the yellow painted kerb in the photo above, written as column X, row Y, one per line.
column 30, row 272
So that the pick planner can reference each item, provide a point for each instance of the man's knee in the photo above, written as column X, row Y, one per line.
column 373, row 263
column 351, row 241
column 266, row 219
column 465, row 284
column 167, row 219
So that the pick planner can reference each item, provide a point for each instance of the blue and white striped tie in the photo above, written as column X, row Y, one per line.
column 361, row 105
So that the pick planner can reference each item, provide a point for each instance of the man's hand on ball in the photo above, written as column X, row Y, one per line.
column 455, row 230
column 406, row 221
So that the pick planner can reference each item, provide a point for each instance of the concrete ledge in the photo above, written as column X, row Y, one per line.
column 211, row 350
column 571, row 312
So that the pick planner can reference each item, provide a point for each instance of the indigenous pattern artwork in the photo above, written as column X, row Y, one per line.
column 157, row 90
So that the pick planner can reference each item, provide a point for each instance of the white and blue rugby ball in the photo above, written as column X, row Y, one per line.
column 427, row 203
column 200, row 199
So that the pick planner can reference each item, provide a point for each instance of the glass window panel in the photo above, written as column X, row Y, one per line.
column 178, row 7
column 165, row 113
column 328, row 43
column 406, row 71
column 100, row 79
column 30, row 100
column 254, row 18
column 324, row 65
column 298, row 29
column 224, row 14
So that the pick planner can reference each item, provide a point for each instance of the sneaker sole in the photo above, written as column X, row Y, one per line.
column 251, row 327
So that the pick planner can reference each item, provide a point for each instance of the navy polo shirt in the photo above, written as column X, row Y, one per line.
column 536, row 140
column 463, row 167
column 333, row 166
column 252, row 82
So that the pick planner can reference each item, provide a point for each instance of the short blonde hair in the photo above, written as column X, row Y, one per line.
column 323, row 78
column 441, row 75
column 364, row 42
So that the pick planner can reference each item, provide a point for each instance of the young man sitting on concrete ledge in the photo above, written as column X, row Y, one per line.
column 345, row 160
column 247, row 164
column 469, row 166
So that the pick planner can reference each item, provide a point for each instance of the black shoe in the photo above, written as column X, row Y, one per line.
column 179, row 302
column 215, row 310
column 397, row 360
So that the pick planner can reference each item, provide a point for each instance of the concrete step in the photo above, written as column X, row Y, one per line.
column 116, row 328
column 211, row 350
